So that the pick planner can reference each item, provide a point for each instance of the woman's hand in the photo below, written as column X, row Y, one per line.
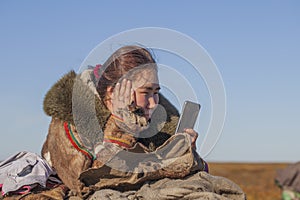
column 193, row 134
column 122, row 96
column 127, row 115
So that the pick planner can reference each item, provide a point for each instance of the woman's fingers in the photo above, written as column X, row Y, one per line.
column 127, row 93
column 122, row 90
column 132, row 98
column 193, row 134
column 122, row 94
column 116, row 92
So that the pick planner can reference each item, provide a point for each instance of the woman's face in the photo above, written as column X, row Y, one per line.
column 147, row 98
column 146, row 88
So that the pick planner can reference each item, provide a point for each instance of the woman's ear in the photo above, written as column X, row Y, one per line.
column 109, row 91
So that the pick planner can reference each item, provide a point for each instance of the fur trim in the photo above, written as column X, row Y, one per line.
column 58, row 100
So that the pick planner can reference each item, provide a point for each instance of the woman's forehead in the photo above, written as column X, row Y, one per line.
column 145, row 78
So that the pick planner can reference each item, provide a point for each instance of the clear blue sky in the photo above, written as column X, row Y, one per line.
column 255, row 45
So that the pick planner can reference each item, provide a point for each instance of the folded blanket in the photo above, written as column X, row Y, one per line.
column 198, row 186
column 23, row 171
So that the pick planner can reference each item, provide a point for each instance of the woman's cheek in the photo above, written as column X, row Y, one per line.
column 156, row 97
column 141, row 100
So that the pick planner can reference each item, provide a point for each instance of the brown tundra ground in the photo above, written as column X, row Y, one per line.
column 255, row 179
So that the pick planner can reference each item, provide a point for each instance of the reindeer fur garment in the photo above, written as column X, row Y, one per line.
column 72, row 100
column 69, row 95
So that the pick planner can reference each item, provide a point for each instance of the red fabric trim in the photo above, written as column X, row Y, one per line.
column 117, row 142
column 73, row 143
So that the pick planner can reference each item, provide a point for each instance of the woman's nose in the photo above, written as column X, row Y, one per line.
column 152, row 102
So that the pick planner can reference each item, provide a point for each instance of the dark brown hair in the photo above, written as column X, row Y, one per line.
column 119, row 63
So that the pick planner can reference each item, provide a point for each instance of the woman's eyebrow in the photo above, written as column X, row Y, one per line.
column 150, row 88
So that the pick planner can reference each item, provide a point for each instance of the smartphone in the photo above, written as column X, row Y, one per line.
column 188, row 116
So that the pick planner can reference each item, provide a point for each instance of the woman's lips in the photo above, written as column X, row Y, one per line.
column 148, row 113
column 147, row 116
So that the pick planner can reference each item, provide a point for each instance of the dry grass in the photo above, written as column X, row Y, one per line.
column 255, row 179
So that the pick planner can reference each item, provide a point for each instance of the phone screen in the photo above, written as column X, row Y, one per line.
column 188, row 116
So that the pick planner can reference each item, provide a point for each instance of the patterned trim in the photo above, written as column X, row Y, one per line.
column 119, row 141
column 75, row 143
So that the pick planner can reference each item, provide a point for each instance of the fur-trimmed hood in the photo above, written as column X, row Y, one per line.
column 73, row 98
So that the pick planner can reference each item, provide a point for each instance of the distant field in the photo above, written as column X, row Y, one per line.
column 255, row 179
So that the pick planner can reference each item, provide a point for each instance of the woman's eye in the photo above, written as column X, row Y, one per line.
column 144, row 93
